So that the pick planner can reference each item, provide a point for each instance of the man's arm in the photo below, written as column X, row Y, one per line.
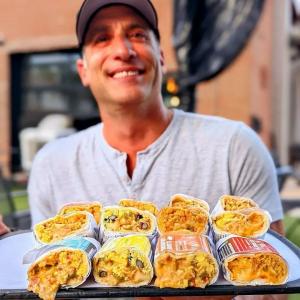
column 252, row 172
column 278, row 227
column 3, row 228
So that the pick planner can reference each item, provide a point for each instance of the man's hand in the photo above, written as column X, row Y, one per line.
column 3, row 228
column 278, row 227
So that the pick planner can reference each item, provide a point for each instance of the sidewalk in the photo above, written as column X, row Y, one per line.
column 291, row 189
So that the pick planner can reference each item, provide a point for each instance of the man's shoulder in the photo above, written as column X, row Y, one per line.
column 210, row 123
column 65, row 147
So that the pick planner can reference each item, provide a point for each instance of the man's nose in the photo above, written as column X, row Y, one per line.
column 123, row 49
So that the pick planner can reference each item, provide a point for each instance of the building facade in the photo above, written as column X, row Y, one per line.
column 40, row 35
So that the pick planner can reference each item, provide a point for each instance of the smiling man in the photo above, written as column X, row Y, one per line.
column 143, row 150
column 122, row 64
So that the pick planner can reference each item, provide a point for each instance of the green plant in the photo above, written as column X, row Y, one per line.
column 292, row 229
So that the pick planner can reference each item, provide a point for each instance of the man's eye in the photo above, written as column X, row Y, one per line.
column 101, row 38
column 139, row 35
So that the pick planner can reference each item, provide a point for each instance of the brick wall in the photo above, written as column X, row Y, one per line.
column 35, row 25
column 244, row 88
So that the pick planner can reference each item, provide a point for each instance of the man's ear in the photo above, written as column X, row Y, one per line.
column 82, row 71
column 162, row 58
column 162, row 61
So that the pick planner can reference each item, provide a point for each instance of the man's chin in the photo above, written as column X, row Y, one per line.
column 129, row 98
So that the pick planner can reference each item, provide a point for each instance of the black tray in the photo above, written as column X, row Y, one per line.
column 150, row 291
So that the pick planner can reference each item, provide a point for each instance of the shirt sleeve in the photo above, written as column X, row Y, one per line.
column 252, row 171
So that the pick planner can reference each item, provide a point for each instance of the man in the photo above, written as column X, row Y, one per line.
column 3, row 228
column 141, row 149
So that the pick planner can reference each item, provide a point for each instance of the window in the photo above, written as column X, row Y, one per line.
column 45, row 83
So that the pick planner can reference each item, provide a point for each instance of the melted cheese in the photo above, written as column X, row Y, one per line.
column 172, row 219
column 236, row 203
column 142, row 205
column 55, row 229
column 93, row 208
column 179, row 200
column 247, row 225
column 66, row 267
column 266, row 267
column 181, row 271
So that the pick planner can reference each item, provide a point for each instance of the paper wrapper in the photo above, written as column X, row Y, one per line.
column 60, row 227
column 184, row 220
column 65, row 264
column 119, row 221
column 124, row 262
column 251, row 262
column 184, row 260
column 93, row 208
column 142, row 205
column 252, row 223
column 233, row 203
column 186, row 201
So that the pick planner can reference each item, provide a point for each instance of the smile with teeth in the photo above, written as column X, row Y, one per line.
column 124, row 74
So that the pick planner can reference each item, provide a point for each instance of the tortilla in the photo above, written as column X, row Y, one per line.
column 185, row 201
column 251, row 222
column 142, row 205
column 124, row 262
column 177, row 219
column 229, row 202
column 62, row 226
column 183, row 260
column 251, row 262
column 92, row 207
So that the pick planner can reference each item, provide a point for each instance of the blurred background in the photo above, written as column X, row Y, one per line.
column 234, row 58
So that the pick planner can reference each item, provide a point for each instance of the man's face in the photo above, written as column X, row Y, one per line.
column 122, row 59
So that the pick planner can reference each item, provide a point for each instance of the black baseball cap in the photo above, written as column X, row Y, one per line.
column 89, row 8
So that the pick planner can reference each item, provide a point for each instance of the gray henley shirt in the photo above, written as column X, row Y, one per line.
column 202, row 156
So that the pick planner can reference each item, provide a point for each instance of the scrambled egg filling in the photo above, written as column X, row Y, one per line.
column 59, row 227
column 191, row 270
column 142, row 205
column 267, row 267
column 239, row 224
column 236, row 203
column 122, row 266
column 180, row 201
column 94, row 209
column 127, row 220
column 67, row 267
column 180, row 219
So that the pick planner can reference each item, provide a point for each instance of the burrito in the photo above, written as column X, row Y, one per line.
column 252, row 222
column 184, row 260
column 124, row 261
column 59, row 227
column 117, row 220
column 229, row 202
column 186, row 201
column 251, row 262
column 61, row 265
column 188, row 220
column 142, row 205
column 92, row 207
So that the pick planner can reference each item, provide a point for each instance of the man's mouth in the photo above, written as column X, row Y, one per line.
column 125, row 74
